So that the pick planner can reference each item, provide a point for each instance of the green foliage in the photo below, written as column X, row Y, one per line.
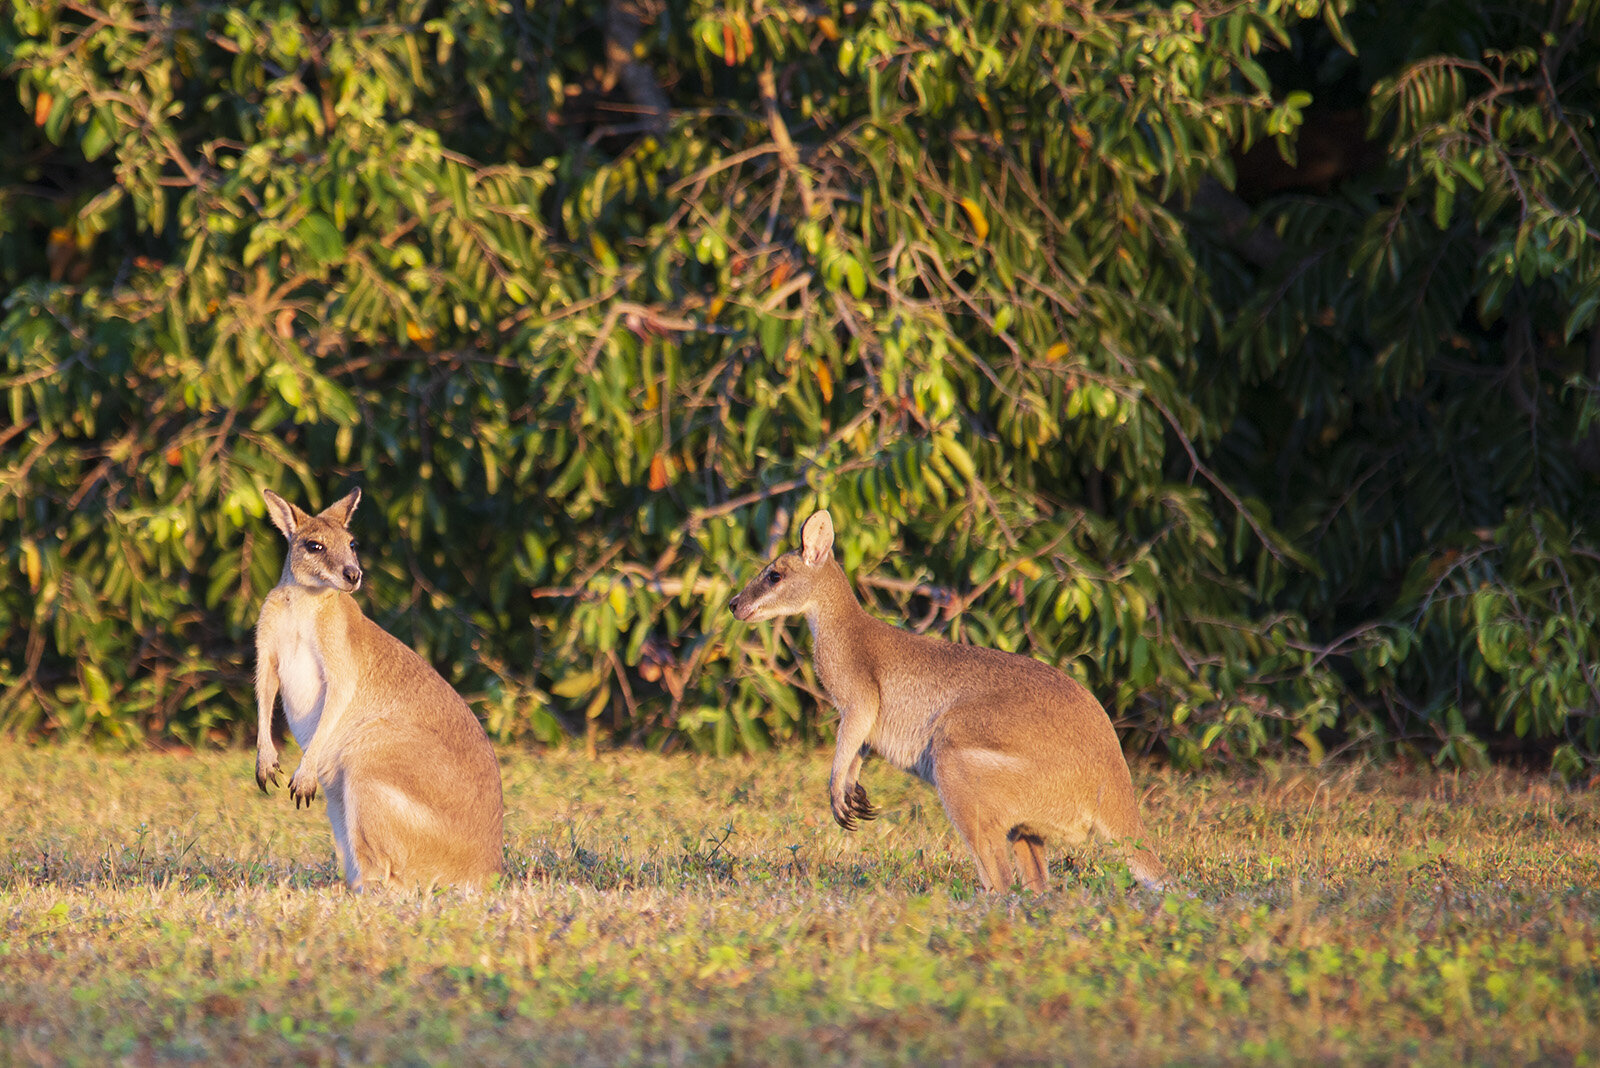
column 944, row 271
column 1434, row 329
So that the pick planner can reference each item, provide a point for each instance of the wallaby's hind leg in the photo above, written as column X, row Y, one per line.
column 962, row 790
column 340, row 816
column 380, row 835
column 1031, row 868
column 992, row 853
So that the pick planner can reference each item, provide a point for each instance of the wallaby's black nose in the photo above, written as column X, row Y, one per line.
column 352, row 575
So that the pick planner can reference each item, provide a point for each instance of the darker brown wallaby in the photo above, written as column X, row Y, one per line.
column 412, row 783
column 1018, row 751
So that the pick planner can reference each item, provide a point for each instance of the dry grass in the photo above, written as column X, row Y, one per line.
column 155, row 908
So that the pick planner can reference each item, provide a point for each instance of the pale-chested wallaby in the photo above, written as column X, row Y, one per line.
column 412, row 783
column 1018, row 750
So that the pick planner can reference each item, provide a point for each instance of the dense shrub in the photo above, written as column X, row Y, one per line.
column 595, row 302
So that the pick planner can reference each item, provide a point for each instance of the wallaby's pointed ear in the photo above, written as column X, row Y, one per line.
column 285, row 516
column 816, row 538
column 340, row 511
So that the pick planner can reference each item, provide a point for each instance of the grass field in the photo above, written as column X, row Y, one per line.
column 155, row 908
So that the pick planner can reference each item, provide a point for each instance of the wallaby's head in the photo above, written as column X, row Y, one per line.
column 321, row 551
column 789, row 585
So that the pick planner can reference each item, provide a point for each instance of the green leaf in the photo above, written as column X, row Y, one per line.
column 321, row 238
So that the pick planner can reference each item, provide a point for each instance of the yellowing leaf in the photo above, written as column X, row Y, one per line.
column 958, row 456
column 575, row 684
column 825, row 380
column 1058, row 351
column 975, row 215
column 1314, row 751
column 30, row 563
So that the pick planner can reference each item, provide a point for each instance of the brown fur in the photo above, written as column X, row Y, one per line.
column 412, row 783
column 1018, row 751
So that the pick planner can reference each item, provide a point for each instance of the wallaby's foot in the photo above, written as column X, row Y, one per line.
column 1156, row 883
column 853, row 805
column 1150, row 872
column 303, row 787
column 267, row 768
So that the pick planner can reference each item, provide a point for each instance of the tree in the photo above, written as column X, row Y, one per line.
column 980, row 280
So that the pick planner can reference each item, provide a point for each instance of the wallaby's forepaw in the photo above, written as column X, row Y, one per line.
column 267, row 770
column 859, row 803
column 853, row 806
column 303, row 788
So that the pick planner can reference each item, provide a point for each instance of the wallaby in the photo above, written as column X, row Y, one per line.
column 1017, row 750
column 412, row 784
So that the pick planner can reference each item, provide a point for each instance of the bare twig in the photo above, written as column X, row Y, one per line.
column 787, row 153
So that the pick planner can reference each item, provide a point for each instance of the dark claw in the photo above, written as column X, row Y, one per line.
column 271, row 776
column 856, row 807
column 860, row 806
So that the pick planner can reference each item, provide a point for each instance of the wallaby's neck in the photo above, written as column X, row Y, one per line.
column 835, row 614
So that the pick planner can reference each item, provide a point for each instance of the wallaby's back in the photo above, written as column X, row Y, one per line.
column 411, row 781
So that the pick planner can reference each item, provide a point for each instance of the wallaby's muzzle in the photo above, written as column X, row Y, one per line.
column 759, row 599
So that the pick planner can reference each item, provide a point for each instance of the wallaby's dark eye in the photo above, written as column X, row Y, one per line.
column 314, row 546
column 352, row 545
column 773, row 576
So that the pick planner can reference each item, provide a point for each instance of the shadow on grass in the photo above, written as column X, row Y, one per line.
column 710, row 866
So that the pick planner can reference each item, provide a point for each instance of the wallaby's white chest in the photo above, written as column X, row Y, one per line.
column 302, row 676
